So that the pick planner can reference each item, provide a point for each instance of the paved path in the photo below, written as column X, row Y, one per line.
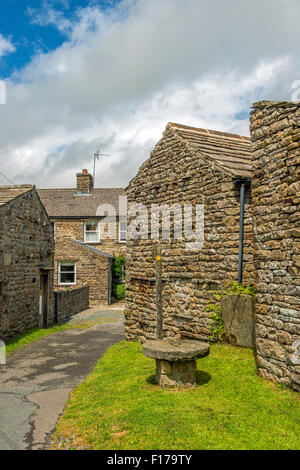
column 36, row 381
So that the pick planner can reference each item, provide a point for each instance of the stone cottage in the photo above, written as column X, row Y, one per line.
column 79, row 264
column 86, row 238
column 198, row 167
column 275, row 134
column 26, row 261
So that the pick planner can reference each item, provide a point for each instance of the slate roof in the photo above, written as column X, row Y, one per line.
column 84, row 246
column 8, row 193
column 231, row 152
column 66, row 203
column 93, row 248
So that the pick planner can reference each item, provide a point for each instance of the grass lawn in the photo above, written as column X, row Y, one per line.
column 36, row 333
column 119, row 406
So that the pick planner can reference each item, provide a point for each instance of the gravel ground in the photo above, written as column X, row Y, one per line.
column 98, row 314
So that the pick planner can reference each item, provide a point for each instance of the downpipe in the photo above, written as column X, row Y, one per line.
column 242, row 184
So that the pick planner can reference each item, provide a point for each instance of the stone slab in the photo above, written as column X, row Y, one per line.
column 238, row 317
column 175, row 350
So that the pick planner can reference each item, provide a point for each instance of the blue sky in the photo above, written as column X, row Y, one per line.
column 86, row 75
column 17, row 23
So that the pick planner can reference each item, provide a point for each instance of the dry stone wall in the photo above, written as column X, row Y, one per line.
column 275, row 133
column 69, row 302
column 174, row 173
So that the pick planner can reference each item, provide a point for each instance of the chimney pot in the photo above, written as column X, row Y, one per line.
column 84, row 172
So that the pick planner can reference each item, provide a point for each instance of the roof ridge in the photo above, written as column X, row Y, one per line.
column 17, row 186
column 221, row 144
column 200, row 130
column 74, row 189
column 11, row 193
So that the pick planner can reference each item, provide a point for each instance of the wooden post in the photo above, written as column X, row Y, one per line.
column 158, row 288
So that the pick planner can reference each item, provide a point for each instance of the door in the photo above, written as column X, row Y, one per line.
column 44, row 300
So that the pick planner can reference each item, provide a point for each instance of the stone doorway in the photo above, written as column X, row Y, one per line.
column 44, row 295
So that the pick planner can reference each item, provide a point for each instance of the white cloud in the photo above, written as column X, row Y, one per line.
column 122, row 75
column 49, row 15
column 5, row 46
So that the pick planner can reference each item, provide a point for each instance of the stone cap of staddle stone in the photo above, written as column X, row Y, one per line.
column 175, row 350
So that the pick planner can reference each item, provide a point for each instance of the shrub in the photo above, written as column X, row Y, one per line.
column 117, row 268
column 118, row 279
column 119, row 291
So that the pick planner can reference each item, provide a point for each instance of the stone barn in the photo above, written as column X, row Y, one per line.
column 189, row 166
column 26, row 261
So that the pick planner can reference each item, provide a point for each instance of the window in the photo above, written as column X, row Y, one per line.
column 92, row 232
column 122, row 230
column 66, row 273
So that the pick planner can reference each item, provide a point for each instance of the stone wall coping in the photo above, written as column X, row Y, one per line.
column 71, row 289
column 269, row 104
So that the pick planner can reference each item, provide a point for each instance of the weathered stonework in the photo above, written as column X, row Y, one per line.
column 69, row 302
column 74, row 229
column 238, row 318
column 275, row 134
column 84, row 182
column 177, row 172
column 26, row 256
column 93, row 268
column 181, row 374
column 176, row 364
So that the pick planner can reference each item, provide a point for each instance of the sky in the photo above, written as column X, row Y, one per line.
column 108, row 75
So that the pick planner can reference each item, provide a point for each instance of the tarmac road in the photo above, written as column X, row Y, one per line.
column 36, row 381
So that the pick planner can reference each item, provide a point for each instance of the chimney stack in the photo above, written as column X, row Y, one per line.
column 85, row 182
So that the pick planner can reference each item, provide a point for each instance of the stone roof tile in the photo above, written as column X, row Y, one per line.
column 8, row 193
column 231, row 152
column 67, row 203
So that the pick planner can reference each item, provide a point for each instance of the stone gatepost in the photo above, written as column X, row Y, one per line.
column 238, row 318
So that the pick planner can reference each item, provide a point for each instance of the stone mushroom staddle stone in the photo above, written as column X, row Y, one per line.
column 176, row 361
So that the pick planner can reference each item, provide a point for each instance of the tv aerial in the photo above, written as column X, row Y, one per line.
column 97, row 156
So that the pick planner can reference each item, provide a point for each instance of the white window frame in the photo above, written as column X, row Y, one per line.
column 94, row 231
column 59, row 274
column 122, row 231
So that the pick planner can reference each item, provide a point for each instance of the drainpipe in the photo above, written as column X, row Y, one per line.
column 242, row 184
column 56, row 307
